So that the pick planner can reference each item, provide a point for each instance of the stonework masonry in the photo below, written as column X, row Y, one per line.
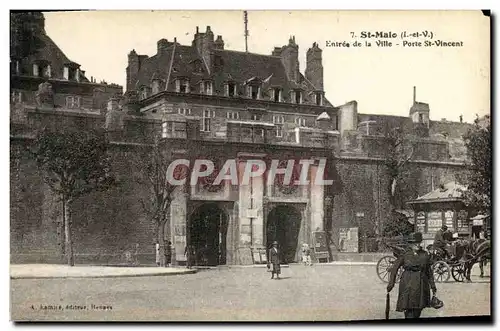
column 182, row 93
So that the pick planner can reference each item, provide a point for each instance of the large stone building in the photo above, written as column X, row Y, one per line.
column 211, row 103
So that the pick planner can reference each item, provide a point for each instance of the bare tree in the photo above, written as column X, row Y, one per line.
column 153, row 165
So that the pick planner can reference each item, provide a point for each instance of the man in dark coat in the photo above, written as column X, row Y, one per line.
column 416, row 281
column 274, row 259
column 168, row 253
column 441, row 241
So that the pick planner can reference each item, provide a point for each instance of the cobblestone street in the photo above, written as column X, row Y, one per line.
column 321, row 293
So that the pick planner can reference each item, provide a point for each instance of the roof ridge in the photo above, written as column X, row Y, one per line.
column 249, row 53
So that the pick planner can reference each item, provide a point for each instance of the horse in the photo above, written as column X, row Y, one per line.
column 472, row 252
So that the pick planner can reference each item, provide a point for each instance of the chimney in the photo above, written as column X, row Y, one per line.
column 414, row 94
column 219, row 43
column 204, row 44
column 161, row 46
column 290, row 59
column 314, row 67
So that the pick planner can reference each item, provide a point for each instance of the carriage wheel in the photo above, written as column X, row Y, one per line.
column 458, row 272
column 441, row 271
column 384, row 266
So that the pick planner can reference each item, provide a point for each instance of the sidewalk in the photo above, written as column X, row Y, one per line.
column 30, row 271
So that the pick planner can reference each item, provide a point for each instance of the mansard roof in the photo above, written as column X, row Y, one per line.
column 227, row 65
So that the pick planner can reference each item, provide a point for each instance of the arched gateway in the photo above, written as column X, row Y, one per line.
column 208, row 226
column 283, row 225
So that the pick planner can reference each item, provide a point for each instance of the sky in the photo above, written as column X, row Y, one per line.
column 453, row 80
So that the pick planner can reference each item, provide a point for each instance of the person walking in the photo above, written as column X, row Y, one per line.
column 168, row 254
column 274, row 259
column 416, row 281
column 306, row 254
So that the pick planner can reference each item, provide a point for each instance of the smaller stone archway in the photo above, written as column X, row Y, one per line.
column 208, row 227
column 283, row 225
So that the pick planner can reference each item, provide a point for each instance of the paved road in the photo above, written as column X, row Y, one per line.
column 321, row 293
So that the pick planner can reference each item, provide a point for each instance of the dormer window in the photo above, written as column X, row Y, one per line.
column 297, row 97
column 71, row 72
column 319, row 98
column 182, row 85
column 231, row 89
column 155, row 86
column 276, row 95
column 144, row 93
column 36, row 72
column 254, row 91
column 420, row 118
column 206, row 87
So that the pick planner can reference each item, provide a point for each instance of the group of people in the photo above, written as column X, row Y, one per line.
column 274, row 259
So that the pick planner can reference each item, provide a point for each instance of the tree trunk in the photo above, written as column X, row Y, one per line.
column 68, row 244
column 161, row 240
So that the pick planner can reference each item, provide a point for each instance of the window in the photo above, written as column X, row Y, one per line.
column 207, row 119
column 233, row 115
column 277, row 95
column 166, row 127
column 71, row 73
column 421, row 118
column 259, row 132
column 231, row 89
column 279, row 131
column 155, row 86
column 207, row 87
column 73, row 102
column 144, row 93
column 36, row 73
column 182, row 86
column 14, row 67
column 278, row 119
column 254, row 92
column 319, row 99
column 298, row 97
column 48, row 71
column 184, row 111
column 256, row 117
column 17, row 96
column 300, row 121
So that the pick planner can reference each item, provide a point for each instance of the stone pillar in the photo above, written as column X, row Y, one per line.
column 178, row 220
column 316, row 199
column 251, row 234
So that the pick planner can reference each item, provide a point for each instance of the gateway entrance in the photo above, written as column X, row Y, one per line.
column 283, row 226
column 208, row 232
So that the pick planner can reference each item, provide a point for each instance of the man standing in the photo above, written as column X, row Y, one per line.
column 168, row 253
column 274, row 259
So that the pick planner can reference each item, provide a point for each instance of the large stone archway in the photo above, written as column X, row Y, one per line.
column 284, row 226
column 208, row 229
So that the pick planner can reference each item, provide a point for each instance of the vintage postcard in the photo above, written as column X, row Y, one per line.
column 250, row 165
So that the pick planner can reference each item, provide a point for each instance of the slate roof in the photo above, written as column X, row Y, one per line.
column 52, row 53
column 227, row 65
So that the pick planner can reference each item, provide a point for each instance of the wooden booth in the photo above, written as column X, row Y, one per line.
column 443, row 205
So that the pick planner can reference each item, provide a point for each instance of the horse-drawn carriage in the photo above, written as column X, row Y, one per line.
column 458, row 265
